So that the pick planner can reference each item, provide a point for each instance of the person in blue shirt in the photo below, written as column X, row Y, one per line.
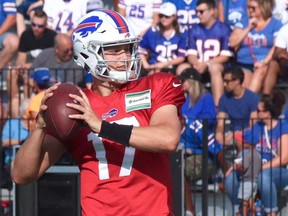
column 163, row 47
column 199, row 105
column 253, row 38
column 270, row 137
column 238, row 104
column 231, row 12
column 208, row 49
column 14, row 132
column 186, row 13
column 8, row 41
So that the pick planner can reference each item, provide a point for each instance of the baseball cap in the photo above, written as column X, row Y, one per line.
column 41, row 76
column 189, row 73
column 168, row 9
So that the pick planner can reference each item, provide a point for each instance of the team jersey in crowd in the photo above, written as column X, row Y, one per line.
column 7, row 7
column 186, row 13
column 64, row 15
column 257, row 44
column 257, row 136
column 125, row 177
column 161, row 48
column 139, row 14
column 204, row 108
column 234, row 11
column 192, row 134
column 209, row 43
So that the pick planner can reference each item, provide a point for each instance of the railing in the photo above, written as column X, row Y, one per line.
column 208, row 197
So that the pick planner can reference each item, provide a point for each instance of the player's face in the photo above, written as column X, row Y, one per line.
column 116, row 57
column 204, row 13
column 253, row 8
column 38, row 26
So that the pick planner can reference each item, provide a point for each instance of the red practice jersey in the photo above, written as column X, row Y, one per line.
column 119, row 180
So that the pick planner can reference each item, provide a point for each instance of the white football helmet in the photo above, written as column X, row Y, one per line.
column 98, row 30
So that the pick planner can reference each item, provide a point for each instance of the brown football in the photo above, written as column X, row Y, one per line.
column 56, row 116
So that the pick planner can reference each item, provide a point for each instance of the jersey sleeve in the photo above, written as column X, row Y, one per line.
column 167, row 89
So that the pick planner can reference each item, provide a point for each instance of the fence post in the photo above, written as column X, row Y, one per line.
column 205, row 168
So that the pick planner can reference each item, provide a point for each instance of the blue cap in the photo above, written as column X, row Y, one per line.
column 41, row 76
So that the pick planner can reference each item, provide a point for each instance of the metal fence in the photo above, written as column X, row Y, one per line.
column 207, row 192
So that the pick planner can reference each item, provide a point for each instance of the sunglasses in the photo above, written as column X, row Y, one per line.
column 167, row 17
column 201, row 11
column 253, row 8
column 66, row 51
column 228, row 81
column 259, row 111
column 37, row 25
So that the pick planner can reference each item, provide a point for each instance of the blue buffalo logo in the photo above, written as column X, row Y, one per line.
column 88, row 26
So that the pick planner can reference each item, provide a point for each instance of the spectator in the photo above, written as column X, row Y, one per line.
column 94, row 4
column 253, row 39
column 278, row 64
column 270, row 136
column 41, row 79
column 231, row 12
column 186, row 13
column 15, row 131
column 247, row 166
column 199, row 105
column 163, row 47
column 35, row 39
column 25, row 11
column 64, row 15
column 208, row 48
column 238, row 104
column 60, row 63
column 8, row 40
column 122, row 172
column 140, row 14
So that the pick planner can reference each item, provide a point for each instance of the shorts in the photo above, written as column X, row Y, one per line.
column 245, row 67
column 23, row 8
column 193, row 168
column 247, row 190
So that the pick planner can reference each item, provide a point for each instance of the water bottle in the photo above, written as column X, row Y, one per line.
column 258, row 206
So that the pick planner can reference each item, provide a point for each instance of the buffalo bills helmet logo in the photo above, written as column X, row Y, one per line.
column 88, row 26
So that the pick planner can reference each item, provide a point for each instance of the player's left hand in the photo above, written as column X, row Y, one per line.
column 87, row 114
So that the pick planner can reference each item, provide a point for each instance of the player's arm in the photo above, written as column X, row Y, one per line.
column 220, row 127
column 38, row 152
column 162, row 133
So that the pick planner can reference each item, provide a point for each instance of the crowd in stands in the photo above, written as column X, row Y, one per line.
column 229, row 56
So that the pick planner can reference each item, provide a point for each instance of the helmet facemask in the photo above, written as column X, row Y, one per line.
column 130, row 67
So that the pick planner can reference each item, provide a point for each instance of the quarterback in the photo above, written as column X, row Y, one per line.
column 131, row 125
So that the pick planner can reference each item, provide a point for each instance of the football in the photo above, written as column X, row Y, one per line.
column 56, row 116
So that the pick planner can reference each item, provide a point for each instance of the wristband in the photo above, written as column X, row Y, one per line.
column 116, row 132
